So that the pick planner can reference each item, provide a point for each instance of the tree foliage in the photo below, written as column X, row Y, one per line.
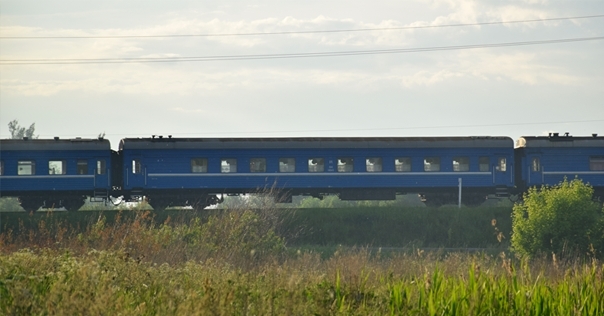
column 556, row 219
column 18, row 132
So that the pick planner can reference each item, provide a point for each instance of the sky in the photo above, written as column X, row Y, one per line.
column 518, row 90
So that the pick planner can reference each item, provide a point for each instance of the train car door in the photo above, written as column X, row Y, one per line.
column 535, row 170
column 135, row 170
column 501, row 170
column 101, row 173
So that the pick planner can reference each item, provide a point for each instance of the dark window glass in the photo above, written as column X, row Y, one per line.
column 26, row 167
column 316, row 165
column 258, row 165
column 596, row 163
column 461, row 164
column 345, row 164
column 402, row 164
column 101, row 168
column 199, row 165
column 502, row 164
column 82, row 167
column 536, row 165
column 228, row 165
column 136, row 166
column 432, row 164
column 483, row 164
column 1, row 167
column 287, row 165
column 374, row 164
column 57, row 167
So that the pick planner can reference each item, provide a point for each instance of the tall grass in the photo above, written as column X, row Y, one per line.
column 350, row 282
column 235, row 262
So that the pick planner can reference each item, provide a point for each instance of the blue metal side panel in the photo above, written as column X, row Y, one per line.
column 43, row 181
column 170, row 169
column 570, row 163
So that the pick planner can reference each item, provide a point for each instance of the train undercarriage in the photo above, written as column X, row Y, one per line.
column 201, row 199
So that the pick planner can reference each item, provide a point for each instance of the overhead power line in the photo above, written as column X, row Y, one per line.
column 282, row 56
column 304, row 32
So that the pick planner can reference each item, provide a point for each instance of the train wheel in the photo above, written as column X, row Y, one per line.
column 158, row 204
column 31, row 204
column 73, row 205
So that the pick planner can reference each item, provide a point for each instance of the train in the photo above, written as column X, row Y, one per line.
column 199, row 172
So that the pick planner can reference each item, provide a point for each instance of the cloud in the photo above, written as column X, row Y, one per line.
column 361, row 74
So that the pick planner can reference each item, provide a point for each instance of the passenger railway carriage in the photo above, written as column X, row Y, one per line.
column 177, row 171
column 199, row 171
column 548, row 160
column 54, row 172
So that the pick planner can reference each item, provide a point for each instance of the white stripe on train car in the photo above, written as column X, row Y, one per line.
column 57, row 176
column 573, row 172
column 265, row 174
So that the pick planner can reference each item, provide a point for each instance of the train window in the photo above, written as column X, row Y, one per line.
column 287, row 165
column 258, row 165
column 57, row 167
column 345, row 164
column 1, row 168
column 26, row 167
column 402, row 164
column 101, row 167
column 461, row 164
column 199, row 165
column 82, row 166
column 501, row 165
column 483, row 164
column 136, row 166
column 228, row 165
column 316, row 165
column 374, row 164
column 596, row 163
column 536, row 165
column 432, row 164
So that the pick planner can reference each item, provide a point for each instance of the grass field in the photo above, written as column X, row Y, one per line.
column 239, row 263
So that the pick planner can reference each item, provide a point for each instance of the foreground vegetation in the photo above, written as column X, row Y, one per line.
column 353, row 282
column 449, row 227
column 236, row 262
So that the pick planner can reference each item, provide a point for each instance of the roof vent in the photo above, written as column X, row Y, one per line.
column 56, row 137
column 567, row 134
column 25, row 138
column 556, row 134
column 169, row 136
column 594, row 135
column 161, row 136
column 153, row 136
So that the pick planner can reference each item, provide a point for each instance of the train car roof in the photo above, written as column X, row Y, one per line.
column 55, row 144
column 317, row 142
column 556, row 141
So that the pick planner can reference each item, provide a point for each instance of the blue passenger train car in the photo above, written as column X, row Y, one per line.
column 54, row 172
column 177, row 171
column 548, row 160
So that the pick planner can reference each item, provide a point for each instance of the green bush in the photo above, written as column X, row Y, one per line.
column 558, row 219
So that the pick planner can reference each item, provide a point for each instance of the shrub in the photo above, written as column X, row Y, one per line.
column 556, row 219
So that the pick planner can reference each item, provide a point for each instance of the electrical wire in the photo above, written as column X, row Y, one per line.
column 303, row 32
column 282, row 56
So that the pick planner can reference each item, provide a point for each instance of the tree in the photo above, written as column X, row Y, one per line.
column 18, row 132
column 557, row 218
column 10, row 204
